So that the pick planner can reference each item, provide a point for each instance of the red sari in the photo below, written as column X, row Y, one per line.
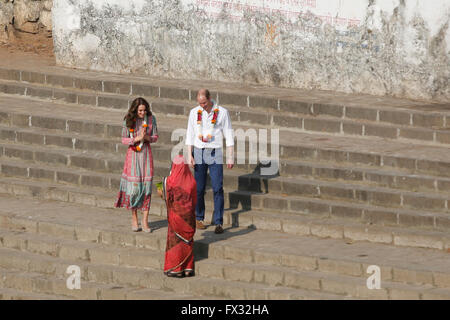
column 180, row 193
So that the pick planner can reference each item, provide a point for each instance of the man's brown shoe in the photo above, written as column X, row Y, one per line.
column 219, row 229
column 200, row 225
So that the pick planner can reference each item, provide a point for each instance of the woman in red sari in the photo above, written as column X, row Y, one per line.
column 180, row 194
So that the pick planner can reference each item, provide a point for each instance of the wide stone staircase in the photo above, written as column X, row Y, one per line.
column 362, row 181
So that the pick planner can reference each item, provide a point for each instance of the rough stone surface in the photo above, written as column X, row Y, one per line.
column 395, row 47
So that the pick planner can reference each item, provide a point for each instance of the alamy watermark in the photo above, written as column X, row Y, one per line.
column 74, row 280
column 374, row 281
column 258, row 145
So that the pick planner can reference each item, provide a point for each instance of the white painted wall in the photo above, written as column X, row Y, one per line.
column 394, row 47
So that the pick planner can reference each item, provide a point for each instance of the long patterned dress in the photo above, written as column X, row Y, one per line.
column 137, row 176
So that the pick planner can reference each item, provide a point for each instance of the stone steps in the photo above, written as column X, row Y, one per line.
column 324, row 123
column 239, row 268
column 408, row 121
column 293, row 145
column 108, row 163
column 292, row 168
column 107, row 185
column 104, row 281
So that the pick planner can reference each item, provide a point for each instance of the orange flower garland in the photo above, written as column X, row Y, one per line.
column 139, row 147
column 213, row 121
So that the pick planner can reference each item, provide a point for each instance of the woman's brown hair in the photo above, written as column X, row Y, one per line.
column 131, row 116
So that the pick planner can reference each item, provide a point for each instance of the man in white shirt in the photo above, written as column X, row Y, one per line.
column 208, row 125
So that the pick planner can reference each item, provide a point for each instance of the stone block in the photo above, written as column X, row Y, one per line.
column 378, row 217
column 416, row 134
column 59, row 141
column 301, row 281
column 238, row 273
column 94, row 85
column 328, row 109
column 353, row 128
column 40, row 92
column 336, row 192
column 416, row 220
column 268, row 276
column 144, row 90
column 118, row 239
column 88, row 163
column 87, row 99
column 331, row 155
column 436, row 167
column 443, row 137
column 300, row 263
column 412, row 276
column 428, row 120
column 9, row 74
column 104, row 256
column 60, row 81
column 287, row 122
column 20, row 120
column 267, row 258
column 50, row 248
column 398, row 162
column 267, row 223
column 341, row 267
column 327, row 230
column 232, row 99
column 257, row 118
column 174, row 93
column 346, row 212
column 33, row 77
column 113, row 102
column 85, row 127
column 361, row 113
column 276, row 204
column 441, row 279
column 167, row 108
column 114, row 131
column 295, row 107
column 14, row 171
column 415, row 184
column 14, row 89
column 322, row 125
column 65, row 96
column 72, row 252
column 423, row 202
column 239, row 254
column 18, row 153
column 7, row 134
column 418, row 240
column 263, row 102
column 48, row 123
column 117, row 87
column 395, row 117
column 380, row 131
column 95, row 181
column 51, row 158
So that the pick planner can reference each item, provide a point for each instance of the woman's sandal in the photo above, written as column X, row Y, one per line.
column 175, row 275
column 149, row 230
column 189, row 273
column 136, row 229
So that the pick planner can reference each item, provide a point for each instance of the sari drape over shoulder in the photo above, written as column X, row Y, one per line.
column 180, row 193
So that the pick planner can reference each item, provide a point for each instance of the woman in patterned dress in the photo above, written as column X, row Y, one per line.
column 139, row 130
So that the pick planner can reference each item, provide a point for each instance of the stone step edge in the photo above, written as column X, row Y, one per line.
column 398, row 236
column 13, row 294
column 44, row 284
column 13, row 240
column 74, row 82
column 155, row 279
column 308, row 123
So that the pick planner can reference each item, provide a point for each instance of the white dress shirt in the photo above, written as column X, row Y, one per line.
column 222, row 128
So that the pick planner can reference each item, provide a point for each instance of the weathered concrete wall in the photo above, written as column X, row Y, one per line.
column 393, row 47
column 24, row 15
